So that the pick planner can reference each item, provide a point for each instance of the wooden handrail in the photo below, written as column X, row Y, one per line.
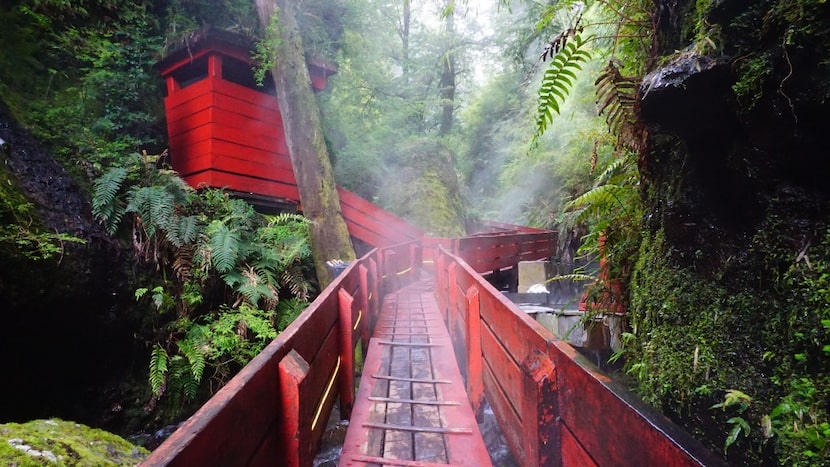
column 554, row 407
column 277, row 407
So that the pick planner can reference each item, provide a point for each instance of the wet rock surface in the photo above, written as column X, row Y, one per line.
column 689, row 97
column 67, row 329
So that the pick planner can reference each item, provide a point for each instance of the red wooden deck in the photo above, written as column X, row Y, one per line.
column 412, row 408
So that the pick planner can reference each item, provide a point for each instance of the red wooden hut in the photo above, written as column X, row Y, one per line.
column 225, row 130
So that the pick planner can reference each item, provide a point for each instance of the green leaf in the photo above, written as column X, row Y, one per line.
column 782, row 408
column 557, row 82
column 224, row 244
column 158, row 369
column 732, row 437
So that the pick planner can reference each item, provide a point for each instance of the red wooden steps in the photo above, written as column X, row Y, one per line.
column 412, row 408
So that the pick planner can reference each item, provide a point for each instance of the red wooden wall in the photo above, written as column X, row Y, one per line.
column 553, row 407
column 225, row 134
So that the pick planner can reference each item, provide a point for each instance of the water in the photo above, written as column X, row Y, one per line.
column 500, row 454
column 329, row 453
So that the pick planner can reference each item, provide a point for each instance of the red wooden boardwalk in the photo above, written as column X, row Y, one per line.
column 412, row 407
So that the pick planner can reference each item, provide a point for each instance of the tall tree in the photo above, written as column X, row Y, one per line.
column 447, row 83
column 304, row 135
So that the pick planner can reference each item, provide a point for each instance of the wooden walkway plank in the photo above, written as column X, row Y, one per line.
column 411, row 407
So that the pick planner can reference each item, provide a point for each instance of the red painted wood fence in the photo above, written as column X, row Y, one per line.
column 274, row 412
column 553, row 407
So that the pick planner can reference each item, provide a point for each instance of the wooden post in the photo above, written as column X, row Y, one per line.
column 452, row 300
column 414, row 263
column 172, row 86
column 293, row 369
column 540, row 410
column 440, row 282
column 374, row 298
column 383, row 271
column 475, row 376
column 363, row 273
column 346, row 353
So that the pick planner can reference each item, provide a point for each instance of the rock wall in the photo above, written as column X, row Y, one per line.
column 727, row 293
column 67, row 332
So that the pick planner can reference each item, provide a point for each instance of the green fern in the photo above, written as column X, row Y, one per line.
column 188, row 229
column 181, row 379
column 615, row 168
column 195, row 358
column 224, row 246
column 558, row 80
column 158, row 369
column 254, row 286
column 193, row 239
column 597, row 200
column 105, row 202
column 288, row 311
column 155, row 206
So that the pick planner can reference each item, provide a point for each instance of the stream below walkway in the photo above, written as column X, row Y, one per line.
column 329, row 453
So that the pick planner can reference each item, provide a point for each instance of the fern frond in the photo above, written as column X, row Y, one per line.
column 255, row 287
column 293, row 278
column 288, row 311
column 616, row 99
column 158, row 369
column 194, row 356
column 560, row 40
column 224, row 246
column 105, row 203
column 188, row 228
column 571, row 277
column 181, row 378
column 287, row 218
column 155, row 205
column 615, row 167
column 600, row 198
column 558, row 80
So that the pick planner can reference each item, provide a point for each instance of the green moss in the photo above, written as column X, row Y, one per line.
column 58, row 442
column 437, row 210
column 21, row 231
column 759, row 323
column 424, row 189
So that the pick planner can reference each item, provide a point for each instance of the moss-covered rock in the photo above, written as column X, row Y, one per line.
column 424, row 189
column 59, row 442
column 729, row 303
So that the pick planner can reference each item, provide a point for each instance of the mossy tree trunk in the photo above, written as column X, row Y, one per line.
column 304, row 135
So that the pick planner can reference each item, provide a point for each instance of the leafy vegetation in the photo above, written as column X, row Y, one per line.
column 559, row 77
column 704, row 263
column 204, row 243
column 696, row 346
column 21, row 231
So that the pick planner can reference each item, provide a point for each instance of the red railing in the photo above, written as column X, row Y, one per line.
column 275, row 410
column 494, row 251
column 553, row 407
